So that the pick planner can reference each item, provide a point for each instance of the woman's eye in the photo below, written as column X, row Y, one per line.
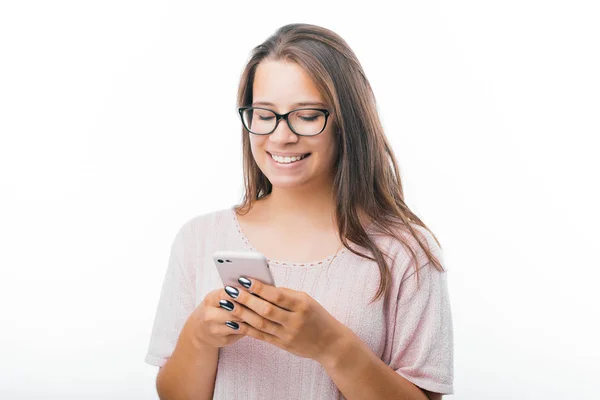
column 265, row 117
column 309, row 118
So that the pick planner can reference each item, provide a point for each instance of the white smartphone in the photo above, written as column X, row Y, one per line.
column 233, row 264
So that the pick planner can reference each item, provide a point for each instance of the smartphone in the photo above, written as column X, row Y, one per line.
column 233, row 264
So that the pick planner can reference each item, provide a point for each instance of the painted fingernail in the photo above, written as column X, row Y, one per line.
column 232, row 325
column 226, row 305
column 245, row 282
column 233, row 292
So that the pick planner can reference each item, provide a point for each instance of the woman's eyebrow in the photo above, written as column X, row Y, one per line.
column 300, row 104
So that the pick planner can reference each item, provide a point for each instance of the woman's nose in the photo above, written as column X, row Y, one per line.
column 283, row 133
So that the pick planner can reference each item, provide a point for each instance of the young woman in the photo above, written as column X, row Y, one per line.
column 360, row 309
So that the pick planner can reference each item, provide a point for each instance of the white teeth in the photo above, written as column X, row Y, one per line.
column 287, row 160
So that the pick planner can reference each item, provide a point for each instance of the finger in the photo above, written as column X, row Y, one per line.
column 231, row 327
column 259, row 306
column 249, row 330
column 250, row 317
column 215, row 297
column 229, row 336
column 281, row 297
column 237, row 313
column 227, row 325
column 216, row 318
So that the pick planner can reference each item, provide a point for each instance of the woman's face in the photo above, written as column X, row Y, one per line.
column 284, row 86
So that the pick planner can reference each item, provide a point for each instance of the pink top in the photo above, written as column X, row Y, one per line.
column 410, row 329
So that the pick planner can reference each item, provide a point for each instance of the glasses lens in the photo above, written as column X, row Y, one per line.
column 307, row 122
column 259, row 121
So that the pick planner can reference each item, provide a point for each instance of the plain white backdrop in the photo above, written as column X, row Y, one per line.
column 118, row 124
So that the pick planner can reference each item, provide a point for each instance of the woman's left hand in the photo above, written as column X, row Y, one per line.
column 286, row 318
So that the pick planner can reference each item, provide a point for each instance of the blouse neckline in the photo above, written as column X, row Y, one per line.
column 249, row 246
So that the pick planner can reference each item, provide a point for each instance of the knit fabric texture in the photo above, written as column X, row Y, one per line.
column 409, row 329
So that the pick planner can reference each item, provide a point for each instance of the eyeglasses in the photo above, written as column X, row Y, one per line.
column 303, row 121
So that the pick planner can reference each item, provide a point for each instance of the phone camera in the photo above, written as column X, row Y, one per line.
column 221, row 261
column 228, row 260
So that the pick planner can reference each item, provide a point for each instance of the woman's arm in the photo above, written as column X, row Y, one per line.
column 190, row 371
column 359, row 374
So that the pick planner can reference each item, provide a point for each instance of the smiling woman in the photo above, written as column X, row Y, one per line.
column 360, row 306
column 305, row 135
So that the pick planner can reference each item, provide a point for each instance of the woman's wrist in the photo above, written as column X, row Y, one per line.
column 339, row 344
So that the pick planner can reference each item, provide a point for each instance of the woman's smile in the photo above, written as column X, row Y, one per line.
column 285, row 158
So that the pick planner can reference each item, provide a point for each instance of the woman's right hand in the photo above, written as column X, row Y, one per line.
column 207, row 322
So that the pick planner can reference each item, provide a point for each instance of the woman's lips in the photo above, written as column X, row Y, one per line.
column 290, row 164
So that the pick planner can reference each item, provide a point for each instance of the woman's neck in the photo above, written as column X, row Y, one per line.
column 300, row 207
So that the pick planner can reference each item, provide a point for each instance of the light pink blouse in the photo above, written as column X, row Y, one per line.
column 410, row 329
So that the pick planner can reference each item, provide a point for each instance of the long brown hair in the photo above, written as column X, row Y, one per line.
column 367, row 176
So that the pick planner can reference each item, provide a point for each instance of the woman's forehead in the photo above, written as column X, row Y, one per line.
column 299, row 104
column 284, row 84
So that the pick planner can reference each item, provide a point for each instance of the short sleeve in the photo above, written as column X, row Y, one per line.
column 176, row 302
column 422, row 349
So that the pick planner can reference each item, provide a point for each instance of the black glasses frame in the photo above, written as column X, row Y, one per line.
column 279, row 117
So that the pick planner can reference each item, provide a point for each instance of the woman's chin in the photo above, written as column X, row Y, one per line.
column 286, row 182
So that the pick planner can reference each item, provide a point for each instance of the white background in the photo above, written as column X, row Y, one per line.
column 118, row 124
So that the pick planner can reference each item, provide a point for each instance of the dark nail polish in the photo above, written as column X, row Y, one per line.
column 232, row 325
column 226, row 305
column 245, row 282
column 233, row 292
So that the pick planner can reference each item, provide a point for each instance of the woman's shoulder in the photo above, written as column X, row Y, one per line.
column 205, row 222
column 404, row 246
